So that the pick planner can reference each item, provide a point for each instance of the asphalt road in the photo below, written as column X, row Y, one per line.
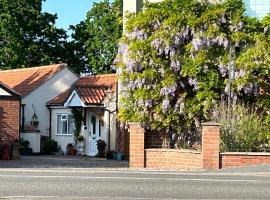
column 131, row 184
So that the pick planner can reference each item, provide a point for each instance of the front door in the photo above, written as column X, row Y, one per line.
column 93, row 134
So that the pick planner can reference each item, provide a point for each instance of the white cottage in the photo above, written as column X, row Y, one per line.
column 96, row 98
column 37, row 85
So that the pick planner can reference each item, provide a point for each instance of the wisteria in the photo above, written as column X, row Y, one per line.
column 148, row 103
column 223, row 69
column 200, row 42
column 138, row 83
column 166, row 105
column 123, row 48
column 137, row 34
column 194, row 82
column 175, row 65
column 168, row 90
column 175, row 68
column 239, row 74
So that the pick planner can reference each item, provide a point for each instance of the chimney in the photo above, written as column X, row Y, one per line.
column 131, row 6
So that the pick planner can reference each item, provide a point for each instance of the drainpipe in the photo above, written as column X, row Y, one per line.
column 22, row 114
column 50, row 123
column 21, row 119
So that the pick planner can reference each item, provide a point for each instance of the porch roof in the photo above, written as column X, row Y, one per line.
column 91, row 89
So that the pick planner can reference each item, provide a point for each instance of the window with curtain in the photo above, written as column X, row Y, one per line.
column 65, row 124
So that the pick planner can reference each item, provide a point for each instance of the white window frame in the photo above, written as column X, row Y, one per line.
column 62, row 119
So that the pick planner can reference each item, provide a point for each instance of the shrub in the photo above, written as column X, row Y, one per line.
column 50, row 146
column 24, row 143
column 242, row 128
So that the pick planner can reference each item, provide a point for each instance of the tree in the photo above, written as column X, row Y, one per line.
column 76, row 49
column 104, row 28
column 29, row 37
column 174, row 61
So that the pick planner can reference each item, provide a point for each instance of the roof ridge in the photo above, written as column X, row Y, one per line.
column 98, row 75
column 31, row 68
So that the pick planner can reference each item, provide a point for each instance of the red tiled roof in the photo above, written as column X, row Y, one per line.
column 25, row 80
column 91, row 89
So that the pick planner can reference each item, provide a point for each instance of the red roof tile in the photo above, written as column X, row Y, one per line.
column 91, row 89
column 25, row 80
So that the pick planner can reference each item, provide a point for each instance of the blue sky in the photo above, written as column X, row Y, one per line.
column 69, row 12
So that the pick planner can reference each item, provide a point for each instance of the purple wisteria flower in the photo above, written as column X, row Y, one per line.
column 175, row 65
column 200, row 42
column 123, row 48
column 223, row 69
column 133, row 84
column 137, row 34
column 168, row 90
column 166, row 105
column 194, row 82
column 148, row 103
column 156, row 25
column 239, row 74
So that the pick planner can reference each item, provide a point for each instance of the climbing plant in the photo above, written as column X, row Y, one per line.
column 77, row 115
column 173, row 61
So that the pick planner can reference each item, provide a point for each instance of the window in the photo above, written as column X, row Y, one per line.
column 257, row 8
column 65, row 124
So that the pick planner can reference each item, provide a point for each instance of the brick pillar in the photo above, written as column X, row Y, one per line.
column 210, row 145
column 136, row 148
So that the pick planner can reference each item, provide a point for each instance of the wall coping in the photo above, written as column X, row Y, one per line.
column 246, row 153
column 210, row 124
column 175, row 150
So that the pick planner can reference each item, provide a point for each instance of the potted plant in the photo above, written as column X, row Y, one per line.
column 71, row 150
column 101, row 145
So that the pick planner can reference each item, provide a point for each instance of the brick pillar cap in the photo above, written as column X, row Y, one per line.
column 210, row 124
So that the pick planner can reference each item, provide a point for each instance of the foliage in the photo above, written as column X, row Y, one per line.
column 242, row 128
column 29, row 37
column 77, row 115
column 104, row 28
column 76, row 49
column 101, row 144
column 173, row 61
column 50, row 146
column 24, row 143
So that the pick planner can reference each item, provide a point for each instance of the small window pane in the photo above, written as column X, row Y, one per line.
column 59, row 124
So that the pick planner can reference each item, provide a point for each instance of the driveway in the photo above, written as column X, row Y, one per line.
column 62, row 162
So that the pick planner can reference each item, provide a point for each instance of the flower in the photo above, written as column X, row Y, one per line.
column 166, row 105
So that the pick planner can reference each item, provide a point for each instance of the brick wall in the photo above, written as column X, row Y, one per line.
column 136, row 139
column 173, row 159
column 237, row 159
column 210, row 145
column 9, row 120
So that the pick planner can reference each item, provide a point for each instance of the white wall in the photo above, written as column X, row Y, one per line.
column 41, row 95
column 4, row 92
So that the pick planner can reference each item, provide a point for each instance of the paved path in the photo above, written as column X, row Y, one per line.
column 62, row 162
